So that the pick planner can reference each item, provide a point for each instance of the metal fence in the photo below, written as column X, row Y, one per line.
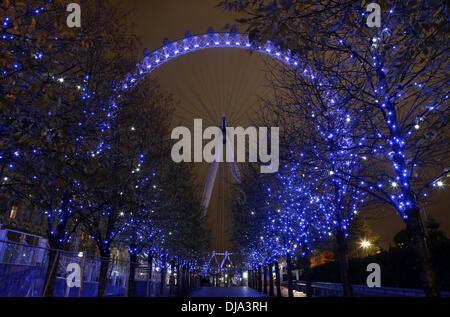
column 23, row 269
column 321, row 289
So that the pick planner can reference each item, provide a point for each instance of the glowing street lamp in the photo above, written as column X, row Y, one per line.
column 365, row 244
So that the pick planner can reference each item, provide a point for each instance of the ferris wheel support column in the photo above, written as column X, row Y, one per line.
column 218, row 157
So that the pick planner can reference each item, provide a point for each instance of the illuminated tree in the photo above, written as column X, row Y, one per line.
column 394, row 75
column 318, row 138
column 250, row 218
column 303, row 195
column 75, row 145
column 181, row 240
column 56, row 88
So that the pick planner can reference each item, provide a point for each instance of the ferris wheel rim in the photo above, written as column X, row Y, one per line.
column 194, row 43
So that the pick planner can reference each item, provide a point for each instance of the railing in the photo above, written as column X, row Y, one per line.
column 321, row 289
column 20, row 250
column 23, row 268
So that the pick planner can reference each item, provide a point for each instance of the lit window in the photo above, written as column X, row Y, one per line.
column 13, row 213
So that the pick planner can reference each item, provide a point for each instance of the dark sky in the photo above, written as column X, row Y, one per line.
column 210, row 83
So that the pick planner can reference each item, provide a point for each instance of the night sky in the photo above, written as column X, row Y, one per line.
column 210, row 83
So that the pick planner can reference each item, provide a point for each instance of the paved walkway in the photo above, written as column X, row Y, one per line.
column 284, row 292
column 238, row 292
column 226, row 292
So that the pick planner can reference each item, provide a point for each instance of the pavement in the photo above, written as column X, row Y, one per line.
column 243, row 291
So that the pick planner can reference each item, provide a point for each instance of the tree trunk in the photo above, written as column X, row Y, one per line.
column 172, row 278
column 193, row 281
column 423, row 259
column 178, row 280
column 149, row 274
column 103, row 277
column 307, row 272
column 343, row 264
column 277, row 276
column 163, row 276
column 50, row 275
column 131, row 281
column 259, row 279
column 183, row 283
column 289, row 275
column 270, row 280
column 188, row 277
column 265, row 279
column 163, row 282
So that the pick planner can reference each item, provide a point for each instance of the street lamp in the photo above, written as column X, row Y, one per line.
column 365, row 244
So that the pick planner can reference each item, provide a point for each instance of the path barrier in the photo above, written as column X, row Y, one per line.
column 322, row 289
column 23, row 268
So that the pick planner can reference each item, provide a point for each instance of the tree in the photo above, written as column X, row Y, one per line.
column 301, row 199
column 121, row 191
column 81, row 147
column 362, row 241
column 395, row 74
column 56, row 89
column 270, row 224
column 432, row 230
column 176, row 213
column 402, row 239
column 251, row 232
column 319, row 138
